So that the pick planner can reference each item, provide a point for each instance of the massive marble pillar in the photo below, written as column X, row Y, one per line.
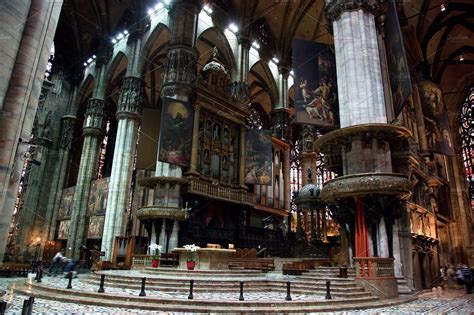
column 30, row 26
column 59, row 176
column 365, row 141
column 93, row 132
column 129, row 115
column 178, row 83
column 359, row 76
column 128, row 118
column 41, row 146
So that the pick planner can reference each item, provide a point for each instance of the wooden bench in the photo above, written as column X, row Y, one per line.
column 264, row 264
column 169, row 259
column 14, row 270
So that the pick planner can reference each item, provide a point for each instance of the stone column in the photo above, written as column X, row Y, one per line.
column 93, row 132
column 41, row 150
column 325, row 228
column 178, row 83
column 195, row 140
column 396, row 250
column 280, row 114
column 242, row 72
column 239, row 86
column 129, row 117
column 382, row 239
column 359, row 76
column 242, row 157
column 67, row 130
column 24, row 60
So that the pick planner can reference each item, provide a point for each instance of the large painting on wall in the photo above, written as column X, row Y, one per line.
column 96, row 227
column 396, row 60
column 315, row 82
column 65, row 206
column 437, row 129
column 258, row 157
column 176, row 132
column 98, row 196
column 63, row 231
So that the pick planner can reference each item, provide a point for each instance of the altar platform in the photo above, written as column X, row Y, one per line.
column 206, row 258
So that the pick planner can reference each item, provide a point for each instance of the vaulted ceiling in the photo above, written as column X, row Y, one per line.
column 439, row 36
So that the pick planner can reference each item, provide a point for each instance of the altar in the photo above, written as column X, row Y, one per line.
column 206, row 258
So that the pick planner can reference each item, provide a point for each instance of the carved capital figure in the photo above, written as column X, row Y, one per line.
column 131, row 98
column 94, row 121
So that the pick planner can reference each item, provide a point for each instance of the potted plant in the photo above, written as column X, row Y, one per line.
column 191, row 255
column 155, row 253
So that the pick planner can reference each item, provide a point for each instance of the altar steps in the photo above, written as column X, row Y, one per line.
column 338, row 289
column 197, row 305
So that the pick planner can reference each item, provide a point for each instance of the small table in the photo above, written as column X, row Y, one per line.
column 206, row 258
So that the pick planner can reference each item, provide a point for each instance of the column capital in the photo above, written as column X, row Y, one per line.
column 131, row 99
column 104, row 53
column 94, row 120
column 179, row 79
column 284, row 70
column 335, row 8
column 244, row 41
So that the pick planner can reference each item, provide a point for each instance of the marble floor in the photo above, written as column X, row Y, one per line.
column 451, row 301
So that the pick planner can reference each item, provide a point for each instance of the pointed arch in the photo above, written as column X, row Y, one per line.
column 156, row 41
column 263, row 88
column 215, row 37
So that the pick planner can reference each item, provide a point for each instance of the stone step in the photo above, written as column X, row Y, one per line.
column 282, row 290
column 214, row 273
column 206, row 281
column 206, row 306
column 233, row 287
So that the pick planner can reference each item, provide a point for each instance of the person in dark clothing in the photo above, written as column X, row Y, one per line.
column 467, row 278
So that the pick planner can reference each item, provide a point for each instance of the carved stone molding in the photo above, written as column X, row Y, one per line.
column 181, row 67
column 157, row 212
column 131, row 98
column 366, row 184
column 94, row 121
column 335, row 8
column 151, row 182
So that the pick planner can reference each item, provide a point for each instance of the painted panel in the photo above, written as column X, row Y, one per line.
column 258, row 158
column 315, row 82
column 176, row 132
column 396, row 60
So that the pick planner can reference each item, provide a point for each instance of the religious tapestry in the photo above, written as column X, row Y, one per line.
column 96, row 227
column 258, row 157
column 98, row 196
column 315, row 84
column 396, row 60
column 437, row 131
column 64, row 211
column 63, row 231
column 177, row 119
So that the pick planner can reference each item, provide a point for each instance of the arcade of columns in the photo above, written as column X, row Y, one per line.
column 368, row 200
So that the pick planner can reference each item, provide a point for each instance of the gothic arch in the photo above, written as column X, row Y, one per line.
column 157, row 40
column 215, row 37
column 263, row 88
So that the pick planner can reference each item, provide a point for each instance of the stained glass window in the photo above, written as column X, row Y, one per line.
column 466, row 130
